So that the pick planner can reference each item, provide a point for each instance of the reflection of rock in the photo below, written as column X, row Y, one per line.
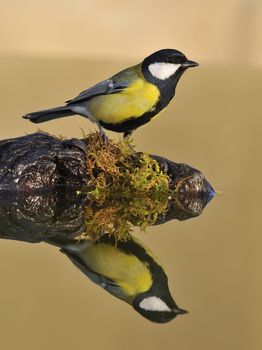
column 34, row 218
column 192, row 195
column 37, row 217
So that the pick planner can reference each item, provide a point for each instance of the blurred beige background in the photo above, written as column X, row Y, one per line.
column 52, row 50
column 225, row 31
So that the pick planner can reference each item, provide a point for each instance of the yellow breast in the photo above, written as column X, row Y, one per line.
column 126, row 270
column 140, row 97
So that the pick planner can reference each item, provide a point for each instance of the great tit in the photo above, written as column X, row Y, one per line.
column 127, row 270
column 128, row 99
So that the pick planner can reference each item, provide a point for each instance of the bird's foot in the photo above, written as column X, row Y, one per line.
column 102, row 133
column 127, row 134
column 104, row 137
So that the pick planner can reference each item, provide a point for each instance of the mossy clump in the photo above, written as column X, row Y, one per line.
column 125, row 187
column 115, row 170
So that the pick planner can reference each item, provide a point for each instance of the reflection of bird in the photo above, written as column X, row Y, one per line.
column 128, row 271
column 128, row 99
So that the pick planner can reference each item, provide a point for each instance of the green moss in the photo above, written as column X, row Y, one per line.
column 125, row 188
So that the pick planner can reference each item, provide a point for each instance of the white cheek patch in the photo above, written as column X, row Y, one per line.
column 154, row 304
column 162, row 71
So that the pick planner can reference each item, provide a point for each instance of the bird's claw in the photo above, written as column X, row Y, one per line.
column 104, row 137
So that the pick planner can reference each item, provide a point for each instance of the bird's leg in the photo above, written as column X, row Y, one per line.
column 127, row 134
column 83, row 110
column 101, row 132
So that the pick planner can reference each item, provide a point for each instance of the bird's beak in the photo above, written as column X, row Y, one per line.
column 180, row 311
column 188, row 64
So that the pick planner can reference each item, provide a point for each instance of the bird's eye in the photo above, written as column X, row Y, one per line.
column 181, row 59
column 176, row 59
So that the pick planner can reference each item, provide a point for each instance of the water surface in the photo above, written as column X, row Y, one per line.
column 213, row 261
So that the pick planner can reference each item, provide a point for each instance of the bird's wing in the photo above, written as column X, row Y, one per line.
column 109, row 86
column 95, row 277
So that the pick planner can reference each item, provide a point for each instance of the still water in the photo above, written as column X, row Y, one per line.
column 212, row 261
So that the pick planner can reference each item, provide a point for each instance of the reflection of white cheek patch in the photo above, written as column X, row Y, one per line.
column 154, row 304
column 163, row 70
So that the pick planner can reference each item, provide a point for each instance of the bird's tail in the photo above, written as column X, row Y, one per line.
column 49, row 114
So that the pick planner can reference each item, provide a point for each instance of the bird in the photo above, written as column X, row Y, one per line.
column 127, row 270
column 130, row 98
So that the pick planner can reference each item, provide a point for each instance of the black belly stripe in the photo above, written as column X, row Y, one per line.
column 167, row 91
column 131, row 123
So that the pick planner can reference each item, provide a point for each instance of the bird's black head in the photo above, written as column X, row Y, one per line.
column 159, row 309
column 166, row 64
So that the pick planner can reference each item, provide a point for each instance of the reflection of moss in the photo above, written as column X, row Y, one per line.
column 117, row 217
column 131, row 182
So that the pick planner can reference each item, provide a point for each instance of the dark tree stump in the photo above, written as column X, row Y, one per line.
column 40, row 161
